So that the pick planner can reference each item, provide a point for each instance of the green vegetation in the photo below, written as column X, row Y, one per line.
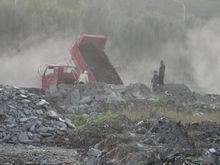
column 105, row 116
column 81, row 121
column 183, row 116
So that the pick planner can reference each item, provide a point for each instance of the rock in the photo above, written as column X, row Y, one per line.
column 73, row 109
column 140, row 123
column 86, row 100
column 23, row 137
column 36, row 137
column 69, row 123
column 29, row 134
column 61, row 126
column 212, row 150
column 140, row 146
column 23, row 96
column 94, row 152
column 27, row 112
column 39, row 112
column 11, row 125
column 32, row 129
column 42, row 102
column 149, row 142
column 12, row 107
column 132, row 135
column 53, row 114
column 43, row 129
column 101, row 98
column 141, row 130
column 22, row 91
column 75, row 97
column 24, row 119
column 114, row 98
column 25, row 101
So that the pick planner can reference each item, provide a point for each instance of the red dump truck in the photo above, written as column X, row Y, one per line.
column 87, row 53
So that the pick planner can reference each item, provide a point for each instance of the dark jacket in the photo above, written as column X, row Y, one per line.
column 155, row 79
column 162, row 69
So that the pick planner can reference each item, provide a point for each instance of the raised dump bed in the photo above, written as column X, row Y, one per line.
column 88, row 54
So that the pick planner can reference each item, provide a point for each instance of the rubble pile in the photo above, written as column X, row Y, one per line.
column 146, row 142
column 155, row 142
column 26, row 118
column 95, row 97
column 181, row 93
column 106, row 133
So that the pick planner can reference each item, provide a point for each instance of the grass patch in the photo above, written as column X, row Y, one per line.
column 105, row 116
column 82, row 121
column 183, row 116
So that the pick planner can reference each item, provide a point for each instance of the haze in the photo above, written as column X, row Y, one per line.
column 140, row 33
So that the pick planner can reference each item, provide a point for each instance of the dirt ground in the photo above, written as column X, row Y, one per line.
column 31, row 155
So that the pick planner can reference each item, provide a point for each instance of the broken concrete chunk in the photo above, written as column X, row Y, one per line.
column 53, row 114
column 94, row 152
column 25, row 101
column 43, row 129
column 61, row 124
column 86, row 100
column 24, row 119
column 11, row 106
column 32, row 129
column 39, row 112
column 60, row 119
column 23, row 96
column 23, row 137
column 42, row 102
column 114, row 98
column 69, row 123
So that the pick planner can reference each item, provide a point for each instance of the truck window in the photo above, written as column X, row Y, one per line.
column 49, row 70
column 69, row 70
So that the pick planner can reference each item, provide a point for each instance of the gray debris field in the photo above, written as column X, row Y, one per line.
column 27, row 118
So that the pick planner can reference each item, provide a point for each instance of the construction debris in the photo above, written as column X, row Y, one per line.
column 90, row 118
column 25, row 118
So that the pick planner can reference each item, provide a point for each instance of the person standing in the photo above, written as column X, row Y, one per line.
column 83, row 78
column 161, row 73
column 155, row 81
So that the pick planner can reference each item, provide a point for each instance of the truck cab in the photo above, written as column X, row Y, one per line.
column 58, row 74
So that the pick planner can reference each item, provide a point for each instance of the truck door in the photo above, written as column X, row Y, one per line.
column 49, row 77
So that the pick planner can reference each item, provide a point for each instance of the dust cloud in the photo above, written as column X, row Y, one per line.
column 20, row 68
column 140, row 33
column 194, row 62
column 204, row 55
